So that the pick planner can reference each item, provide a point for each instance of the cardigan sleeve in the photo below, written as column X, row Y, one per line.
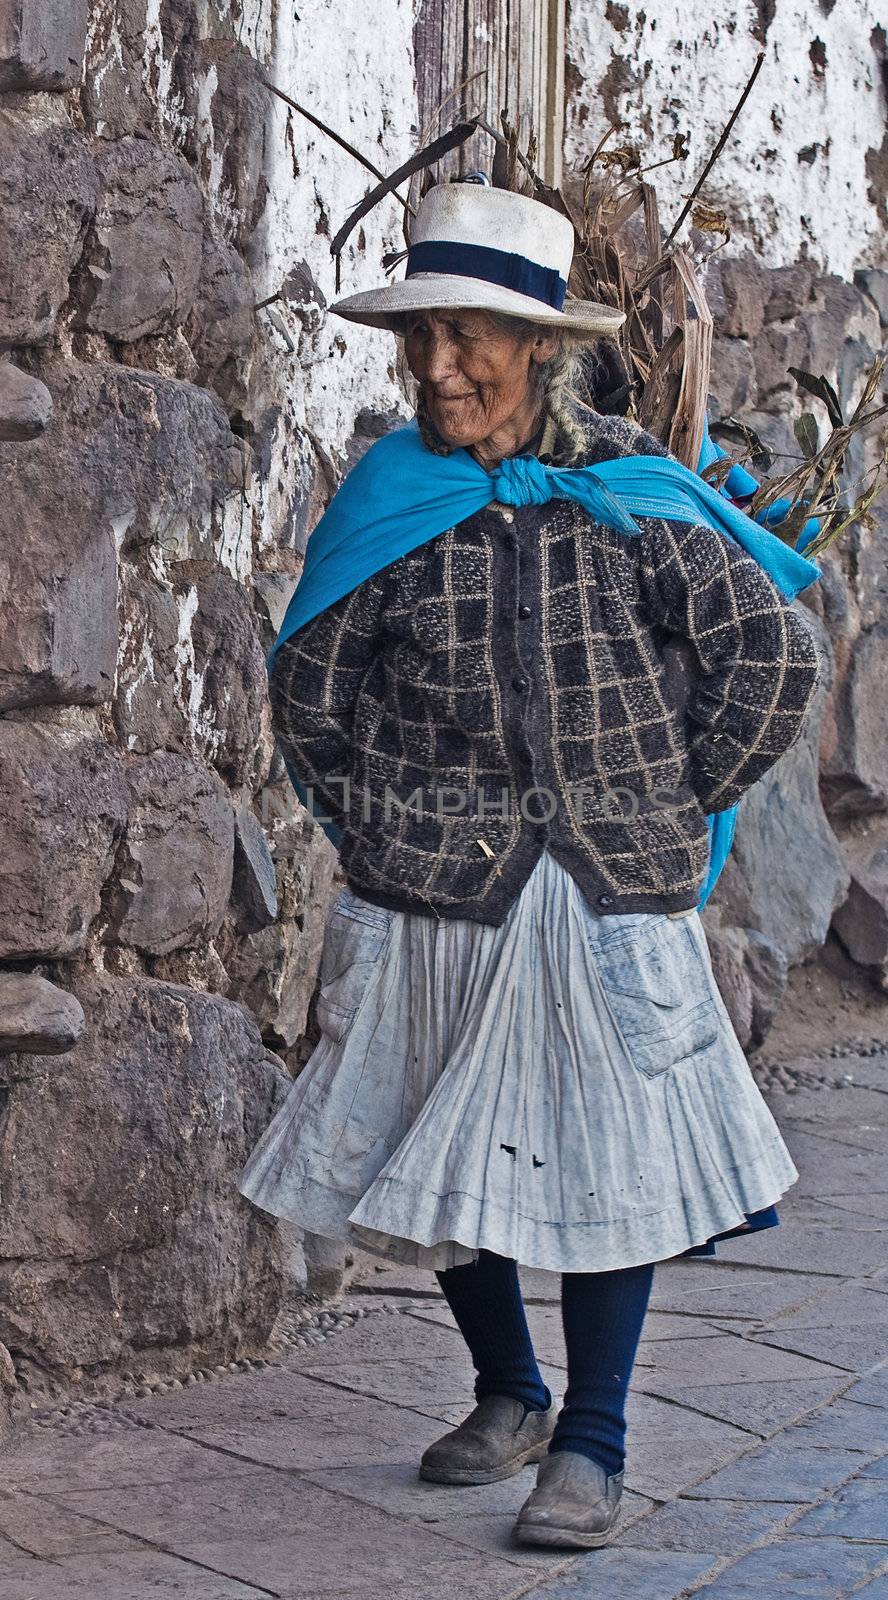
column 313, row 686
column 759, row 664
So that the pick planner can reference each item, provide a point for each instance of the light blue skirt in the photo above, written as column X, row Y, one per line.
column 565, row 1089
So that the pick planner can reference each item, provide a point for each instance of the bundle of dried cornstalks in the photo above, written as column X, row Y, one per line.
column 658, row 366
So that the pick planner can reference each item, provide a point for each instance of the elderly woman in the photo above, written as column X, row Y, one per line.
column 524, row 1057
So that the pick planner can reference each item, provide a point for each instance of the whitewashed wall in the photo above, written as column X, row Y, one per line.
column 804, row 174
column 352, row 65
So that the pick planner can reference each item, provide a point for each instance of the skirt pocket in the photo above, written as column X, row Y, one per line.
column 354, row 940
column 658, row 989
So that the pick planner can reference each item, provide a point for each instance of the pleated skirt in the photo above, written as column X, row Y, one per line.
column 566, row 1089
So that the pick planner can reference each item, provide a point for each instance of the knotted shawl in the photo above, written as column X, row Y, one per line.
column 400, row 494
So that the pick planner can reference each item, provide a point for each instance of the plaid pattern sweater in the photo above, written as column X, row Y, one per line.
column 515, row 684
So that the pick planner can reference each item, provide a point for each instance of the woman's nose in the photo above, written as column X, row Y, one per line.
column 440, row 358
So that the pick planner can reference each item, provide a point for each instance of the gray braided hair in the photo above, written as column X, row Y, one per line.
column 552, row 380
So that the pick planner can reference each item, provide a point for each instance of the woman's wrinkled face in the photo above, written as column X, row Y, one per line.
column 474, row 376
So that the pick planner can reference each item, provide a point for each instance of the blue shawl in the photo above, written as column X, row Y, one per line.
column 400, row 495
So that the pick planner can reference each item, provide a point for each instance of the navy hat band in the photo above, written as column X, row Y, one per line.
column 502, row 267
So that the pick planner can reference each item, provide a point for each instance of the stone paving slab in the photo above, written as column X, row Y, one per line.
column 854, row 1347
column 628, row 1574
column 827, row 1165
column 759, row 1409
column 877, row 1590
column 137, row 1457
column 338, row 1429
column 842, row 1305
column 871, row 1390
column 23, row 1521
column 859, row 1511
column 736, row 1360
column 868, row 1135
column 430, row 1386
column 718, row 1288
column 832, row 1216
column 386, row 1338
column 302, row 1538
column 780, row 1472
column 832, row 1252
column 810, row 1569
column 121, row 1576
column 857, row 1427
column 876, row 1204
column 710, row 1527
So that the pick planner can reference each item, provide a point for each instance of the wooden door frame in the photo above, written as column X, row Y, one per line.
column 445, row 34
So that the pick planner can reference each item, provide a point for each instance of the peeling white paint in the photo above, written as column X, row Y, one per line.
column 221, row 198
column 353, row 67
column 233, row 545
column 170, row 105
column 113, row 53
column 120, row 526
column 793, row 176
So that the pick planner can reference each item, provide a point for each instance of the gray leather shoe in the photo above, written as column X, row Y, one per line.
column 574, row 1505
column 496, row 1440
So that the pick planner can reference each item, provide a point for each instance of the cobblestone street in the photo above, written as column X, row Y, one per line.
column 758, row 1430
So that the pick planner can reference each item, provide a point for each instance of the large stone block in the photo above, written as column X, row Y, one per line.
column 273, row 970
column 8, row 1387
column 738, row 288
column 25, row 404
column 768, row 969
column 64, row 802
column 122, row 1228
column 173, row 874
column 58, row 577
column 727, row 950
column 124, row 69
column 37, row 1016
column 254, row 896
column 221, row 325
column 861, row 922
column 226, row 106
column 148, row 711
column 785, row 874
column 42, row 43
column 230, row 665
column 854, row 773
column 158, row 453
column 143, row 255
column 47, row 195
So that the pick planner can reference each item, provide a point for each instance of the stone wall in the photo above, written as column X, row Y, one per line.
column 175, row 408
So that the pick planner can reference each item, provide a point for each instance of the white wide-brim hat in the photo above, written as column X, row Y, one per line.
column 485, row 249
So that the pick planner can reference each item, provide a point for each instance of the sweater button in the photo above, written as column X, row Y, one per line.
column 524, row 610
column 605, row 899
column 519, row 683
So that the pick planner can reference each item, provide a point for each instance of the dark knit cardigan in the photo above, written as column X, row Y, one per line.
column 515, row 685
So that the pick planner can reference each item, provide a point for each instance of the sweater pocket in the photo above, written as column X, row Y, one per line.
column 659, row 992
column 355, row 938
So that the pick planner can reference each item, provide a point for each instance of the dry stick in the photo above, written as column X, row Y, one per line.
column 423, row 158
column 330, row 132
column 722, row 141
column 498, row 138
